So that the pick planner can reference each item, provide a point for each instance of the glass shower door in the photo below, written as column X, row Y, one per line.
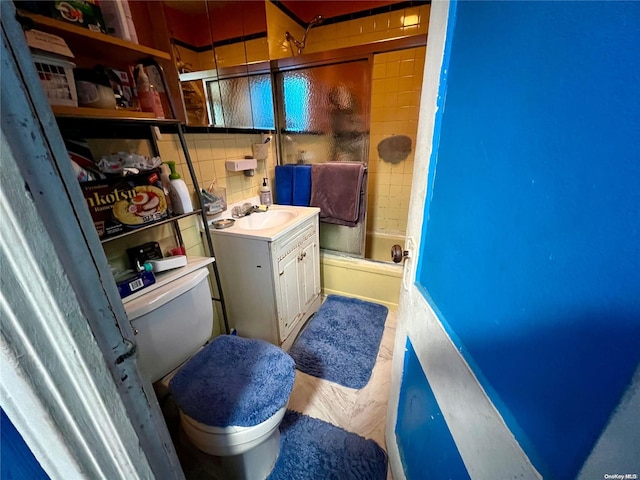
column 323, row 117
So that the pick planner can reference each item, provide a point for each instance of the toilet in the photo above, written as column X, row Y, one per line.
column 232, row 393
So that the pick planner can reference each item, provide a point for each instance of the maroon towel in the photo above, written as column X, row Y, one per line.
column 338, row 189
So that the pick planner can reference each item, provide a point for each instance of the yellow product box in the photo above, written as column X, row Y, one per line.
column 121, row 204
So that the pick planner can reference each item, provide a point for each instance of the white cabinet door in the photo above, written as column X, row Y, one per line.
column 298, row 278
column 289, row 306
column 309, row 273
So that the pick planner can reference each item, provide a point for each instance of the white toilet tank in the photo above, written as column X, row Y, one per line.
column 172, row 323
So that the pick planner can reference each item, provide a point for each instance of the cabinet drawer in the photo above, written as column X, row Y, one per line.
column 284, row 247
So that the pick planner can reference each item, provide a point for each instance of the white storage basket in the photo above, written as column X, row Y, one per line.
column 56, row 76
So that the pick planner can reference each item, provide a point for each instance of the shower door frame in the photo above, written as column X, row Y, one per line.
column 336, row 57
column 280, row 120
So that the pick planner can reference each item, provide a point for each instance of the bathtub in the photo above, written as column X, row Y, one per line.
column 378, row 246
column 377, row 282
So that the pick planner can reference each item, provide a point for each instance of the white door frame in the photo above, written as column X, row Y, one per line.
column 70, row 383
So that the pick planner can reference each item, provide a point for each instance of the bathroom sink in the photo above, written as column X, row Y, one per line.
column 278, row 221
column 265, row 220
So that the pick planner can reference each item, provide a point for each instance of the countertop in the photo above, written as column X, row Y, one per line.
column 272, row 233
column 162, row 278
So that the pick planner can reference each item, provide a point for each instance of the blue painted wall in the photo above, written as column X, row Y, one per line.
column 16, row 460
column 427, row 449
column 531, row 251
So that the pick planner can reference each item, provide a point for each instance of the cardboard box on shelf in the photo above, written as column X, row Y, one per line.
column 82, row 13
column 121, row 204
column 115, row 18
column 124, row 88
column 85, row 14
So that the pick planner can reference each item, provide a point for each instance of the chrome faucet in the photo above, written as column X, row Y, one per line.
column 246, row 209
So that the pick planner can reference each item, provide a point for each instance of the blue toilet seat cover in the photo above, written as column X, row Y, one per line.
column 234, row 381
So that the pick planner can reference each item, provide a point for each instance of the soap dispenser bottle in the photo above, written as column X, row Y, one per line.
column 179, row 193
column 265, row 193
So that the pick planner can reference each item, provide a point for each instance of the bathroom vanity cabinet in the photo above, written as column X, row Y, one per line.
column 271, row 283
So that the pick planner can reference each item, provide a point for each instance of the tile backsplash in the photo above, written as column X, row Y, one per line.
column 209, row 152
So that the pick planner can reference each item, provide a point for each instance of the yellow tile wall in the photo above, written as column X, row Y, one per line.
column 310, row 148
column 230, row 55
column 395, row 101
column 209, row 152
column 278, row 23
column 206, row 61
column 198, row 61
column 240, row 53
column 384, row 26
column 257, row 50
column 188, row 56
column 401, row 23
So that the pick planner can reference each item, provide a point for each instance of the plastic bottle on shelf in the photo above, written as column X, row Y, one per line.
column 180, row 199
column 265, row 193
column 148, row 94
column 165, row 172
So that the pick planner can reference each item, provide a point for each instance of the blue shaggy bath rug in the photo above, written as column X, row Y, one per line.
column 311, row 449
column 341, row 341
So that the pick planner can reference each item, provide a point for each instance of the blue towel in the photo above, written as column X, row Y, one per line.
column 293, row 185
column 301, row 185
column 234, row 381
column 284, row 184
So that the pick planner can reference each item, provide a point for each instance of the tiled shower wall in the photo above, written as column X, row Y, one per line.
column 395, row 101
column 239, row 53
column 384, row 26
column 278, row 23
column 360, row 31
